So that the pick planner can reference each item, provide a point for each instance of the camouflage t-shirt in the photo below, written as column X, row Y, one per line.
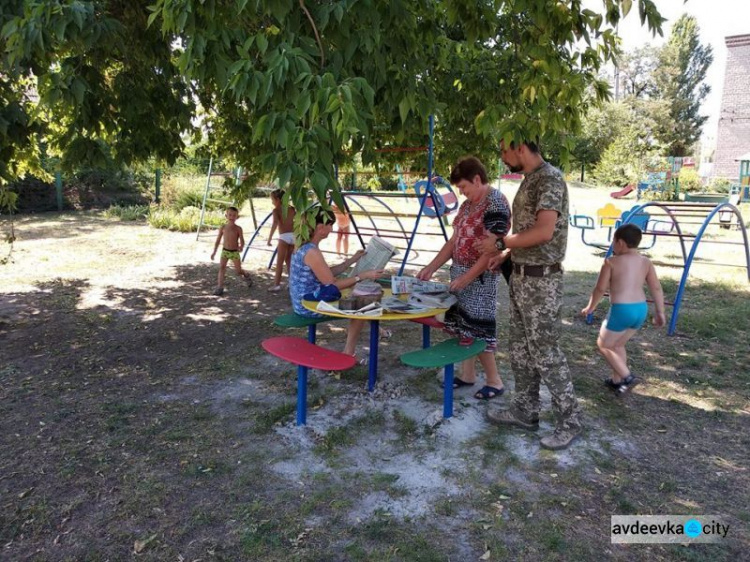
column 543, row 189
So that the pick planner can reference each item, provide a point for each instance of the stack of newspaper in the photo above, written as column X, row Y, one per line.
column 432, row 300
column 403, row 284
column 395, row 304
column 423, row 294
column 367, row 288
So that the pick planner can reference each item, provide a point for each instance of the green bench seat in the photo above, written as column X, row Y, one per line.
column 294, row 320
column 444, row 354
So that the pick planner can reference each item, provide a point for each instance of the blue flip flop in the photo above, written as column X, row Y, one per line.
column 488, row 393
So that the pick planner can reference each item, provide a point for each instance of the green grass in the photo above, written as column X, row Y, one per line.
column 336, row 438
column 119, row 448
column 266, row 419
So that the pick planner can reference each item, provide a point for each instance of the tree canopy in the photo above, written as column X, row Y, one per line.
column 657, row 114
column 291, row 89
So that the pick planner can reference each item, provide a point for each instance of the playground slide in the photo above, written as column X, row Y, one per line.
column 623, row 192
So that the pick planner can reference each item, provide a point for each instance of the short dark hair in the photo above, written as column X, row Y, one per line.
column 277, row 194
column 467, row 168
column 235, row 209
column 531, row 145
column 324, row 216
column 630, row 234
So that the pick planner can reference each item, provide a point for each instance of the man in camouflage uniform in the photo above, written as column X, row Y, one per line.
column 537, row 244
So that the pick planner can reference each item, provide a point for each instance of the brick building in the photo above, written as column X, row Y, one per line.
column 733, row 138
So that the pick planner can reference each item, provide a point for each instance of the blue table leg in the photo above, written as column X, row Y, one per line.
column 425, row 336
column 311, row 333
column 301, row 395
column 448, row 391
column 372, row 373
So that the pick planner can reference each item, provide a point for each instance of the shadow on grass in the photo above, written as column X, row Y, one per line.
column 153, row 416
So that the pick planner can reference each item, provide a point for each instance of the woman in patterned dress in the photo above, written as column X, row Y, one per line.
column 473, row 317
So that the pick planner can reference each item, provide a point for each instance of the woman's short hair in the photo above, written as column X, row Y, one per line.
column 467, row 168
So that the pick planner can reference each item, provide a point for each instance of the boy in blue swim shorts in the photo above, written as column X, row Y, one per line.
column 624, row 276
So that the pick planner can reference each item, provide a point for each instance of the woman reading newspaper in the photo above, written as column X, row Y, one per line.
column 473, row 317
column 311, row 274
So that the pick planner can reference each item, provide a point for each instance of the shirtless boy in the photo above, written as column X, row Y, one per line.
column 624, row 275
column 234, row 241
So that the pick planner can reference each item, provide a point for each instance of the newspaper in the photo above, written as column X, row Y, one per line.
column 367, row 288
column 377, row 255
column 403, row 284
column 435, row 300
column 372, row 309
column 395, row 304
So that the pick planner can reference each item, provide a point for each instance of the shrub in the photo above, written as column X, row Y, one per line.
column 389, row 183
column 191, row 198
column 669, row 193
column 180, row 191
column 720, row 185
column 689, row 179
column 625, row 161
column 185, row 220
column 103, row 188
column 129, row 213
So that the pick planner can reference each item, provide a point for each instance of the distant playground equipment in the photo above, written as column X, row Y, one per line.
column 627, row 190
column 744, row 177
column 661, row 181
column 610, row 218
column 378, row 218
column 654, row 182
column 671, row 219
column 443, row 204
column 447, row 202
column 210, row 190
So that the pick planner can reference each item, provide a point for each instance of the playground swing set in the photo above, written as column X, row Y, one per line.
column 671, row 220
column 657, row 182
column 370, row 206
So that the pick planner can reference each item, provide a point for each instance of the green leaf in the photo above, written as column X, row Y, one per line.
column 285, row 175
column 79, row 89
column 338, row 12
column 319, row 182
column 403, row 109
column 152, row 18
column 333, row 103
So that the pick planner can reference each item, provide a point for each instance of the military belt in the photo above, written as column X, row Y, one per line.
column 525, row 270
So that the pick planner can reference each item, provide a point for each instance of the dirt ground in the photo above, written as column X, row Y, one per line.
column 142, row 420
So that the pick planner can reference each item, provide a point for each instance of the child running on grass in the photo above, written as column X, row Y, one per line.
column 234, row 241
column 285, row 224
column 624, row 275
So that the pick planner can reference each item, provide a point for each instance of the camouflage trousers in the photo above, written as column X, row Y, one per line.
column 535, row 354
